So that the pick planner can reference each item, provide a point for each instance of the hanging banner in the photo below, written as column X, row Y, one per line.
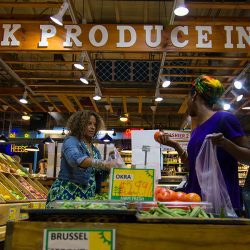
column 72, row 239
column 132, row 184
column 124, row 38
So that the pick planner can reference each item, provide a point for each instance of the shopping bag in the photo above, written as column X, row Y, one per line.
column 211, row 180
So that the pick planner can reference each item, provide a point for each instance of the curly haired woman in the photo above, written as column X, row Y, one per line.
column 80, row 159
column 227, row 134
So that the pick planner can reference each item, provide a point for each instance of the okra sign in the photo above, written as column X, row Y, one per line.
column 113, row 37
column 132, row 184
column 71, row 239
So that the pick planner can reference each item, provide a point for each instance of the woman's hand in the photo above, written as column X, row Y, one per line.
column 217, row 138
column 165, row 140
column 112, row 164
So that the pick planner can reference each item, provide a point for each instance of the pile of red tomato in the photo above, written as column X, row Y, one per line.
column 164, row 194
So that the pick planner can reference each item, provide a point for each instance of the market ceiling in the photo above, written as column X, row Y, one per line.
column 128, row 78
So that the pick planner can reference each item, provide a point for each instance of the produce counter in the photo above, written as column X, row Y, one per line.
column 138, row 235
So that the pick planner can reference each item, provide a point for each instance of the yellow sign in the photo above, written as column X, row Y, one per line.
column 123, row 38
column 12, row 214
column 12, row 135
column 18, row 149
column 132, row 184
column 79, row 239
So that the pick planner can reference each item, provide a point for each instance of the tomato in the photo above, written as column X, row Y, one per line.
column 160, row 190
column 164, row 196
column 172, row 196
column 180, row 196
column 157, row 135
column 192, row 197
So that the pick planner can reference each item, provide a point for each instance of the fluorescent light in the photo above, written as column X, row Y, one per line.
column 181, row 9
column 246, row 108
column 53, row 131
column 226, row 106
column 166, row 83
column 32, row 148
column 238, row 84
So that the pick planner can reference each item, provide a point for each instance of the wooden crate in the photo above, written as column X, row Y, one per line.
column 4, row 214
column 10, row 185
column 5, row 192
column 35, row 186
column 38, row 183
column 17, row 183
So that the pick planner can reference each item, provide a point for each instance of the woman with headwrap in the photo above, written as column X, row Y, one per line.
column 227, row 134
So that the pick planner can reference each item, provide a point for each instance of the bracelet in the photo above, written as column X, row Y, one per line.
column 99, row 164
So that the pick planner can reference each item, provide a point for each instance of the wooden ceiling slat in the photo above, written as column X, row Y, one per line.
column 40, row 62
column 124, row 101
column 140, row 104
column 216, row 5
column 37, row 103
column 202, row 67
column 27, row 5
column 24, row 105
column 184, row 106
column 48, row 71
column 78, row 102
column 94, row 104
column 52, row 103
column 110, row 104
column 67, row 103
column 9, row 105
column 51, row 78
column 145, row 12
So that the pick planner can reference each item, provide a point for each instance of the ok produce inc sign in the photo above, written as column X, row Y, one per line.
column 136, row 38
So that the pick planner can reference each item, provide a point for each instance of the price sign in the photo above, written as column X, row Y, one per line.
column 12, row 214
column 132, row 184
column 72, row 239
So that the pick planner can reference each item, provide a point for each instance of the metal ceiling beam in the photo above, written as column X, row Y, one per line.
column 14, row 75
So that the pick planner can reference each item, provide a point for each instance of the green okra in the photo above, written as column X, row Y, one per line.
column 195, row 212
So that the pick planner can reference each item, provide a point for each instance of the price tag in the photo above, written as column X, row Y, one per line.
column 12, row 214
column 36, row 205
column 132, row 184
column 78, row 239
column 24, row 216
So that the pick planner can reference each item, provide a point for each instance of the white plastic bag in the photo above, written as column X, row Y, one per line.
column 211, row 180
column 115, row 156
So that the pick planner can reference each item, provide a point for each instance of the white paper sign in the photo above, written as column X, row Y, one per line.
column 146, row 151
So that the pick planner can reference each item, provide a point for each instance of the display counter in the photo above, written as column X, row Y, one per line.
column 138, row 235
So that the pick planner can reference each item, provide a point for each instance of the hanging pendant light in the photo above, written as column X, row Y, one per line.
column 80, row 63
column 106, row 138
column 180, row 8
column 48, row 140
column 97, row 95
column 24, row 97
column 58, row 18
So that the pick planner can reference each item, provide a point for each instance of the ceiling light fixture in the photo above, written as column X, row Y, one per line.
column 246, row 108
column 32, row 148
column 158, row 97
column 238, row 84
column 54, row 131
column 238, row 97
column 3, row 138
column 226, row 106
column 80, row 63
column 166, row 83
column 97, row 95
column 124, row 117
column 84, row 80
column 24, row 97
column 107, row 138
column 48, row 140
column 180, row 8
column 25, row 116
column 58, row 18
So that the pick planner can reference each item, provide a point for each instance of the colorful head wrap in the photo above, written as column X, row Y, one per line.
column 209, row 88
